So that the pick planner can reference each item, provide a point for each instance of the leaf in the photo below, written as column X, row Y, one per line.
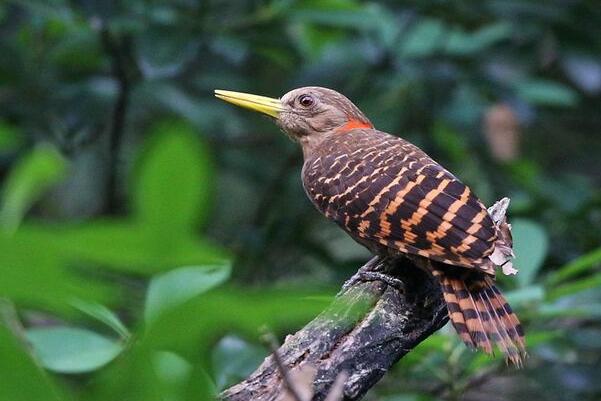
column 124, row 246
column 103, row 314
column 36, row 271
column 30, row 178
column 315, row 40
column 588, row 311
column 530, row 247
column 197, row 323
column 234, row 359
column 574, row 287
column 133, row 377
column 536, row 338
column 546, row 93
column 424, row 38
column 9, row 137
column 570, row 192
column 462, row 43
column 176, row 100
column 201, row 385
column 72, row 350
column 576, row 267
column 351, row 16
column 451, row 141
column 21, row 378
column 524, row 295
column 173, row 373
column 173, row 185
column 180, row 285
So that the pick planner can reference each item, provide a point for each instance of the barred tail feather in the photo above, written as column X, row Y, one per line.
column 481, row 315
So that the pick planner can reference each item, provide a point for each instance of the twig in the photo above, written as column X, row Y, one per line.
column 273, row 345
column 119, row 51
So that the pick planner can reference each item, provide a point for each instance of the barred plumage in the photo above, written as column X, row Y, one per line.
column 385, row 191
column 480, row 314
column 391, row 197
column 395, row 200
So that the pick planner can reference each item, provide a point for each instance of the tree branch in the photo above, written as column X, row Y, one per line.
column 368, row 328
column 119, row 51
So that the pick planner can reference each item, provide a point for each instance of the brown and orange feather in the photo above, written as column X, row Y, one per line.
column 411, row 203
column 394, row 199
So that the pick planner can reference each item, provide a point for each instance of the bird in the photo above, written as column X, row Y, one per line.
column 395, row 200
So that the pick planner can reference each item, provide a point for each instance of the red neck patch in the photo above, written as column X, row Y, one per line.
column 354, row 124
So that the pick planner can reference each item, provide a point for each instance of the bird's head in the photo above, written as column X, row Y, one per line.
column 308, row 114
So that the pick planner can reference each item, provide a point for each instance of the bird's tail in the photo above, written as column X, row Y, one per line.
column 480, row 314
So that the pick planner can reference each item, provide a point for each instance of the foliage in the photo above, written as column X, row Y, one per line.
column 61, row 266
column 147, row 231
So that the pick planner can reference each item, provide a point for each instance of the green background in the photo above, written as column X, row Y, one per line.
column 149, row 232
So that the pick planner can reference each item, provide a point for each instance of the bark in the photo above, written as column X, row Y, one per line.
column 367, row 328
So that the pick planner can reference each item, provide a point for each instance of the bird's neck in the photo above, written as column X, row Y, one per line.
column 355, row 123
column 314, row 144
column 309, row 144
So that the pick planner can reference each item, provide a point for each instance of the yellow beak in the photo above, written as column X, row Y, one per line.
column 266, row 105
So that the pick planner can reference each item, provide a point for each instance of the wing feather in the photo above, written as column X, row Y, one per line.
column 404, row 201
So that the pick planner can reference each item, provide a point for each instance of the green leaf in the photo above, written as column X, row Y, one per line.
column 424, row 38
column 329, row 5
column 72, row 350
column 368, row 17
column 21, row 378
column 173, row 373
column 125, row 246
column 462, row 43
column 180, row 285
column 234, row 359
column 104, row 315
column 587, row 311
column 30, row 178
column 9, row 137
column 315, row 40
column 197, row 323
column 530, row 247
column 133, row 377
column 173, row 185
column 35, row 270
column 576, row 267
column 524, row 295
column 202, row 386
column 451, row 141
column 536, row 338
column 546, row 93
column 574, row 287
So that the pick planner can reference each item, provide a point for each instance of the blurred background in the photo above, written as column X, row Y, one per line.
column 149, row 231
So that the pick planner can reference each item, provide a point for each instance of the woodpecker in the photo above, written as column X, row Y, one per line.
column 392, row 198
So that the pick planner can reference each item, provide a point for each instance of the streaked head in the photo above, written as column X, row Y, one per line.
column 306, row 114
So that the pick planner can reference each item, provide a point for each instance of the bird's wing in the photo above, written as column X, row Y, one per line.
column 411, row 205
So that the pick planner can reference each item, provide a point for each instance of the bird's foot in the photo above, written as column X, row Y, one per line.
column 371, row 265
column 377, row 276
column 372, row 271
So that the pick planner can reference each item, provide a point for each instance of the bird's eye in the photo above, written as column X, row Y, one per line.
column 306, row 100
